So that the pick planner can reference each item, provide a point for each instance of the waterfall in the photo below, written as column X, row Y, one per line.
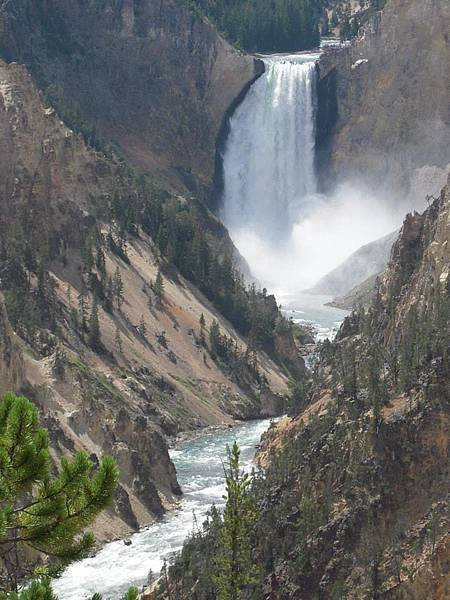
column 289, row 234
column 268, row 160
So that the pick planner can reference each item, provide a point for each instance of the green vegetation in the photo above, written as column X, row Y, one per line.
column 41, row 514
column 283, row 25
column 70, row 112
column 94, row 338
column 340, row 454
column 241, row 366
column 234, row 567
column 349, row 25
column 31, row 247
column 265, row 25
column 219, row 558
column 370, row 370
column 158, row 288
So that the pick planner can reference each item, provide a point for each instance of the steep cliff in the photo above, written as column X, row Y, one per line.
column 380, row 522
column 353, row 498
column 114, row 365
column 151, row 76
column 388, row 106
column 11, row 362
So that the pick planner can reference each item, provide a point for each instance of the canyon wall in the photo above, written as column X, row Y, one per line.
column 137, row 386
column 150, row 75
column 385, row 101
column 386, row 533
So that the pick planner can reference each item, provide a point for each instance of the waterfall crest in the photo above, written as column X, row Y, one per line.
column 269, row 156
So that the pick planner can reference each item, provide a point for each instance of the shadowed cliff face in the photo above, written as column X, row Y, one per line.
column 393, row 105
column 11, row 363
column 153, row 77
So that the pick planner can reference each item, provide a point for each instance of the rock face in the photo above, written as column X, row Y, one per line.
column 420, row 260
column 360, row 295
column 152, row 76
column 390, row 99
column 386, row 533
column 11, row 362
column 124, row 399
column 367, row 261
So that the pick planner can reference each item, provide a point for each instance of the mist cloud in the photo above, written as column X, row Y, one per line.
column 329, row 230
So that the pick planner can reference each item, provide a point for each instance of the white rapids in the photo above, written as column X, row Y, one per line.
column 200, row 473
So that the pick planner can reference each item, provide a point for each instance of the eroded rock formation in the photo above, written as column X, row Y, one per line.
column 151, row 76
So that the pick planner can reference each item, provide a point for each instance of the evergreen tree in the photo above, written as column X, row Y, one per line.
column 94, row 338
column 215, row 338
column 82, row 306
column 40, row 512
column 100, row 260
column 118, row 288
column 234, row 569
column 118, row 341
column 325, row 29
column 265, row 25
column 202, row 329
column 158, row 288
column 376, row 386
column 345, row 30
column 142, row 328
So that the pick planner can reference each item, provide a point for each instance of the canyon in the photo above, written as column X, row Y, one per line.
column 132, row 135
column 121, row 401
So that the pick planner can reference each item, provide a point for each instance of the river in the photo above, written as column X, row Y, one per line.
column 200, row 474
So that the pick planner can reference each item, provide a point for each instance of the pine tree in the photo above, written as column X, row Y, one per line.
column 202, row 329
column 376, row 386
column 87, row 256
column 142, row 328
column 100, row 261
column 215, row 338
column 94, row 338
column 118, row 341
column 158, row 288
column 40, row 512
column 118, row 288
column 234, row 568
column 82, row 306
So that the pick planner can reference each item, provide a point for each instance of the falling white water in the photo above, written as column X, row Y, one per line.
column 269, row 159
column 290, row 234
